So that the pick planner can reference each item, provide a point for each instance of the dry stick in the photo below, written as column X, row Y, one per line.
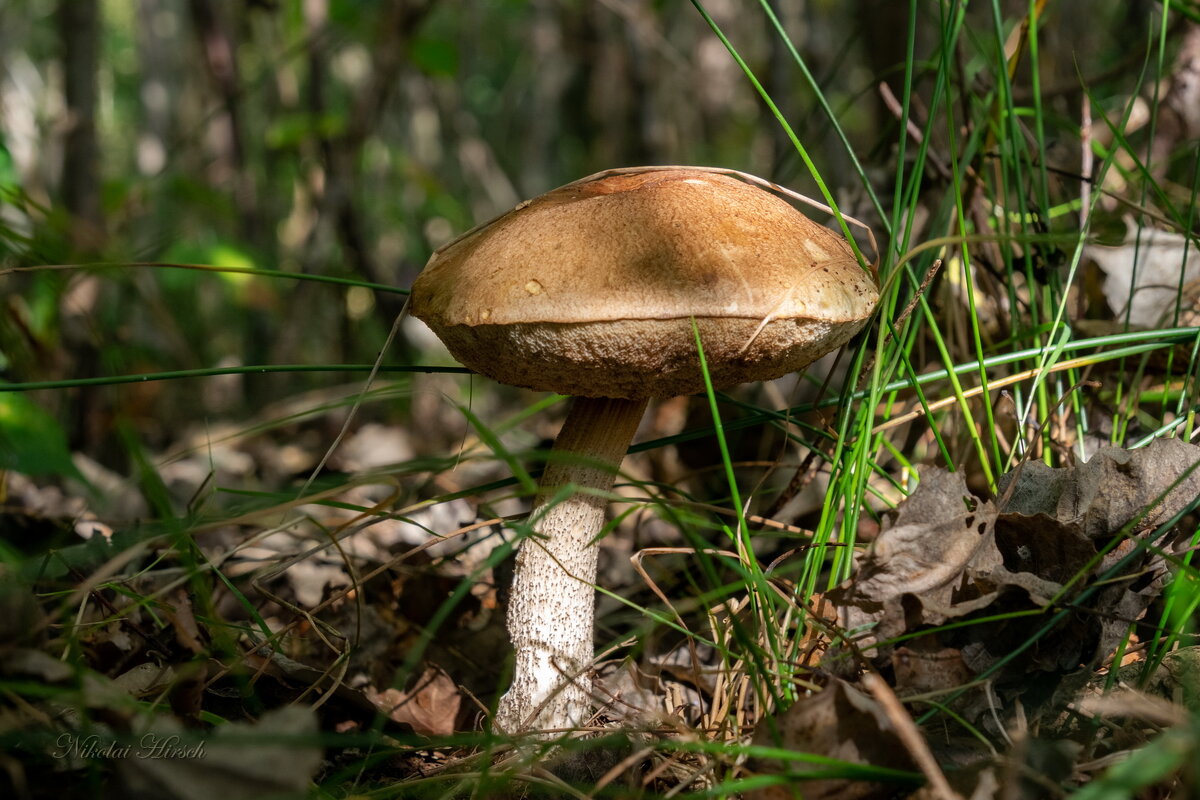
column 687, row 780
column 978, row 390
column 619, row 769
column 916, row 298
column 801, row 477
column 910, row 736
column 798, row 481
column 914, row 131
column 1087, row 160
column 636, row 561
column 753, row 519
column 989, row 693
column 764, row 521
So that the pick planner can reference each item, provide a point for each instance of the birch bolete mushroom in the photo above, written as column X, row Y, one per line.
column 590, row 290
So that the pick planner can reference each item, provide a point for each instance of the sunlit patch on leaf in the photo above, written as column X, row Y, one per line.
column 1146, row 275
column 31, row 441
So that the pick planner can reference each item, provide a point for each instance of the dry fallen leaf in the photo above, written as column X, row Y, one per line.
column 183, row 622
column 951, row 556
column 430, row 707
column 940, row 531
column 919, row 670
column 1111, row 489
column 839, row 722
column 1148, row 268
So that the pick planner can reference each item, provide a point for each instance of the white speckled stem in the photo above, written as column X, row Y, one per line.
column 552, row 603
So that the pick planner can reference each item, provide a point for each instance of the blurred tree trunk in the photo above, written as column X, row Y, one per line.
column 782, row 77
column 341, row 155
column 618, row 87
column 389, row 55
column 643, row 147
column 213, row 30
column 79, row 36
column 79, row 24
column 158, row 80
column 546, row 33
column 885, row 42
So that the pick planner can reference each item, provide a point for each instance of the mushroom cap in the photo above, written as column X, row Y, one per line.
column 590, row 289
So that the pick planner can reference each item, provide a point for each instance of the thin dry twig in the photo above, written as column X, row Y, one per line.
column 910, row 736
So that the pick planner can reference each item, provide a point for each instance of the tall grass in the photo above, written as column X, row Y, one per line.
column 996, row 197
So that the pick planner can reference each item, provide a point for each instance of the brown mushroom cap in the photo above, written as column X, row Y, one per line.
column 590, row 289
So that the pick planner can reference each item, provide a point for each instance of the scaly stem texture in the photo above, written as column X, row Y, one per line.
column 553, row 598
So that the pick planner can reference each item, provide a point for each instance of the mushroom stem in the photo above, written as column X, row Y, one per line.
column 552, row 602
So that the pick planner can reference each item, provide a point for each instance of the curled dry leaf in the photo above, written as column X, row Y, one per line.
column 145, row 679
column 941, row 533
column 920, row 670
column 650, row 695
column 952, row 556
column 1031, row 768
column 1111, row 489
column 430, row 707
column 183, row 622
column 841, row 723
column 1131, row 704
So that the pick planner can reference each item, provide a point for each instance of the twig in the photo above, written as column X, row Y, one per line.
column 910, row 736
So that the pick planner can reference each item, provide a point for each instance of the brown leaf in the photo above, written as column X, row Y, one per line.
column 183, row 622
column 1111, row 489
column 939, row 531
column 145, row 679
column 1144, row 275
column 919, row 670
column 839, row 722
column 430, row 707
column 950, row 555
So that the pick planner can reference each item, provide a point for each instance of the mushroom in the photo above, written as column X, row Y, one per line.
column 591, row 290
